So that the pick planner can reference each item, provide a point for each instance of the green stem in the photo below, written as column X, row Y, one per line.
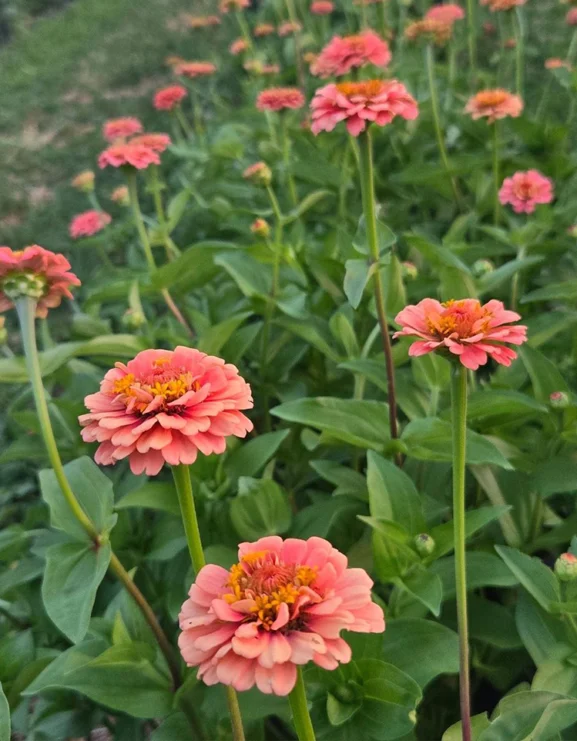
column 244, row 31
column 472, row 39
column 516, row 281
column 197, row 114
column 300, row 710
column 459, row 420
column 430, row 64
column 519, row 49
column 183, row 484
column 171, row 249
column 185, row 126
column 286, row 160
column 368, row 197
column 572, row 47
column 496, row 184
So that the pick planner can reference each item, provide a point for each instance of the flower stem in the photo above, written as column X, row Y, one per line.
column 368, row 196
column 459, row 419
column 519, row 49
column 572, row 48
column 183, row 484
column 286, row 160
column 430, row 63
column 515, row 282
column 26, row 309
column 496, row 206
column 181, row 118
column 171, row 249
column 300, row 710
column 472, row 39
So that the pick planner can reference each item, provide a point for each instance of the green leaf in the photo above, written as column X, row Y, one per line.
column 193, row 269
column 385, row 238
column 252, row 277
column 260, row 509
column 553, row 292
column 538, row 580
column 250, row 457
column 438, row 648
column 483, row 570
column 491, row 281
column 357, row 275
column 425, row 586
column 431, row 439
column 394, row 287
column 393, row 495
column 176, row 208
column 159, row 495
column 313, row 332
column 305, row 205
column 502, row 405
column 538, row 716
column 5, row 734
column 436, row 254
column 212, row 341
column 72, row 577
column 443, row 535
column 173, row 728
column 478, row 725
column 431, row 371
column 557, row 475
column 361, row 423
column 92, row 488
column 544, row 375
column 540, row 632
column 340, row 712
column 16, row 652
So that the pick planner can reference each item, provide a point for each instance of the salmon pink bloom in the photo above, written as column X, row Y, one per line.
column 120, row 128
column 497, row 5
column 226, row 5
column 447, row 13
column 164, row 407
column 202, row 21
column 571, row 17
column 494, row 104
column 169, row 97
column 288, row 27
column 134, row 155
column 525, row 190
column 556, row 63
column 37, row 273
column 120, row 195
column 279, row 98
column 322, row 7
column 88, row 223
column 156, row 142
column 194, row 69
column 238, row 46
column 430, row 29
column 84, row 181
column 263, row 29
column 259, row 173
column 466, row 328
column 359, row 103
column 284, row 604
column 343, row 53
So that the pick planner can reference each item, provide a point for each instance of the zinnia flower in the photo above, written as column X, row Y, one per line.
column 466, row 328
column 284, row 604
column 88, row 223
column 571, row 17
column 343, row 53
column 156, row 142
column 525, row 190
column 169, row 97
column 194, row 69
column 226, row 5
column 259, row 173
column 202, row 21
column 84, row 181
column 37, row 273
column 447, row 13
column 430, row 29
column 270, row 69
column 120, row 195
column 494, row 104
column 135, row 155
column 238, row 46
column 322, row 7
column 359, row 103
column 288, row 27
column 556, row 63
column 264, row 29
column 496, row 5
column 279, row 98
column 165, row 407
column 120, row 128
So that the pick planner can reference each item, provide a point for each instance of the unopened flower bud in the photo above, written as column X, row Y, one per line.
column 424, row 544
column 259, row 174
column 409, row 270
column 482, row 267
column 260, row 227
column 133, row 319
column 559, row 400
column 566, row 567
column 84, row 181
column 121, row 196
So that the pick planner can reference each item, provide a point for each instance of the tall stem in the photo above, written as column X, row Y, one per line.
column 286, row 159
column 459, row 420
column 156, row 189
column 516, row 281
column 572, row 47
column 496, row 204
column 519, row 49
column 430, row 63
column 26, row 309
column 300, row 710
column 181, row 118
column 368, row 196
column 181, row 475
column 472, row 39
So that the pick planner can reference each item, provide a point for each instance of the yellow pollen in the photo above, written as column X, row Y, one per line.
column 123, row 385
column 170, row 390
column 367, row 88
column 159, row 362
column 492, row 98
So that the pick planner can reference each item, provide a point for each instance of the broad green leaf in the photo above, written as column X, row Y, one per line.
column 361, row 423
column 544, row 375
column 339, row 712
column 344, row 478
column 557, row 674
column 538, row 579
column 555, row 476
column 491, row 281
column 385, row 238
column 152, row 495
column 500, row 406
column 261, row 508
column 393, row 286
column 538, row 716
column 73, row 574
column 541, row 633
column 478, row 724
column 25, row 571
column 4, row 716
column 436, row 254
column 176, row 208
column 17, row 651
column 475, row 519
column 250, row 457
column 212, row 341
column 357, row 275
column 553, row 292
column 483, row 570
column 425, row 586
column 492, row 624
column 193, row 269
column 173, row 728
column 252, row 277
column 305, row 205
column 431, row 371
column 393, row 495
column 312, row 331
column 92, row 488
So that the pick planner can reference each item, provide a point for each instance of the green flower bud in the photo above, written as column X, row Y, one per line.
column 482, row 267
column 409, row 270
column 133, row 319
column 424, row 544
column 559, row 400
column 566, row 567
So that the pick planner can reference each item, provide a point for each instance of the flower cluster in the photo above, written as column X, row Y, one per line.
column 88, row 223
column 169, row 97
column 494, row 104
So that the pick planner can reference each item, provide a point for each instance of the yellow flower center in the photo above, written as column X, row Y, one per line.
column 366, row 88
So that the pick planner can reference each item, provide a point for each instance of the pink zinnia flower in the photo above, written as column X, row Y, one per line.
column 494, row 104
column 237, row 47
column 278, row 98
column 169, row 97
column 120, row 128
column 359, row 103
column 156, row 142
column 34, row 272
column 322, row 7
column 430, row 29
column 264, row 29
column 135, row 155
column 343, row 53
column 284, row 604
column 556, row 63
column 88, row 223
column 525, row 190
column 497, row 5
column 288, row 27
column 571, row 17
column 194, row 69
column 447, row 13
column 165, row 407
column 466, row 328
column 226, row 5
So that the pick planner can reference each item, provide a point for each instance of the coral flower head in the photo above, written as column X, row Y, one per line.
column 430, row 29
column 134, row 155
column 194, row 69
column 201, row 21
column 288, row 28
column 84, row 181
column 120, row 195
column 343, row 53
column 322, row 7
column 88, row 223
column 37, row 273
column 571, row 17
column 359, row 103
column 156, row 142
column 494, row 104
column 238, row 46
column 263, row 29
column 497, row 5
column 447, row 13
column 556, row 63
column 525, row 190
column 279, row 98
column 164, row 407
column 169, row 97
column 120, row 128
column 466, row 328
column 284, row 604
column 226, row 5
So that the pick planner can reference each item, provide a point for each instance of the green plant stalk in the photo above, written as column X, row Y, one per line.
column 26, row 309
column 496, row 204
column 286, row 150
column 472, row 38
column 382, row 16
column 93, row 200
column 519, row 49
column 197, row 114
column 368, row 197
column 459, row 421
column 516, row 281
column 430, row 64
column 171, row 249
column 572, row 47
column 244, row 30
column 183, row 484
column 300, row 710
column 181, row 119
